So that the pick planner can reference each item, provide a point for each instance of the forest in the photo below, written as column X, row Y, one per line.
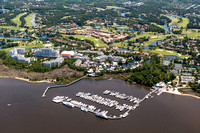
column 151, row 73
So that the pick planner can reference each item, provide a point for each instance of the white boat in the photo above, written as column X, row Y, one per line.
column 69, row 104
column 125, row 114
column 106, row 92
column 102, row 114
column 84, row 109
column 58, row 99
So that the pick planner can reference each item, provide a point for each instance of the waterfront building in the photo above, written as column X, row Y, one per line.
column 161, row 84
column 47, row 52
column 17, row 54
column 55, row 62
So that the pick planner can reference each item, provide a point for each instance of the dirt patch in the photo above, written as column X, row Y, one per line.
column 60, row 72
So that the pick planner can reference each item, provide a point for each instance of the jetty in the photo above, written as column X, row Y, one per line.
column 64, row 85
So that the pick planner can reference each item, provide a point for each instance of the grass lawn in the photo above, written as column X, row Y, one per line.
column 16, row 20
column 65, row 17
column 184, row 23
column 12, row 27
column 120, row 26
column 28, row 19
column 102, row 9
column 167, row 52
column 97, row 42
column 174, row 21
column 27, row 46
column 191, row 33
column 153, row 37
column 87, row 27
column 181, row 24
column 114, row 7
column 66, row 7
column 120, row 44
column 161, row 26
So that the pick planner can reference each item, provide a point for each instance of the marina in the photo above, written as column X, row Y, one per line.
column 69, row 102
column 28, row 108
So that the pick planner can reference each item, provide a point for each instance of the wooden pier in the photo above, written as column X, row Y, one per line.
column 65, row 85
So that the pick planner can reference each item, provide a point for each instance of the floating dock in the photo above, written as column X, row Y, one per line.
column 103, row 101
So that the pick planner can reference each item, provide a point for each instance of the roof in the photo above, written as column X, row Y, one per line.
column 166, row 62
column 178, row 66
column 68, row 53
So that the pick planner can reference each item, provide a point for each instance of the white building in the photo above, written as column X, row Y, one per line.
column 47, row 52
column 161, row 85
column 105, row 57
column 67, row 54
column 78, row 62
column 55, row 62
column 17, row 54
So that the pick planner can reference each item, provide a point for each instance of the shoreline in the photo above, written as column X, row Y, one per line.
column 46, row 81
column 182, row 94
column 27, row 80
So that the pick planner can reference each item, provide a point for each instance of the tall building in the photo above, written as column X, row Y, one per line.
column 47, row 52
column 17, row 54
column 55, row 62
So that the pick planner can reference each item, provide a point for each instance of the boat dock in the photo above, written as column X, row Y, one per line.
column 65, row 85
column 104, row 101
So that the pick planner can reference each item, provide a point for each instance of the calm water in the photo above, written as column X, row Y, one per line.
column 172, row 57
column 33, row 20
column 29, row 113
column 14, row 38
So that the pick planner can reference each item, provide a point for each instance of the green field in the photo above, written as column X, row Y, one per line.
column 180, row 24
column 27, row 46
column 12, row 27
column 153, row 37
column 28, row 19
column 161, row 26
column 167, row 52
column 65, row 17
column 66, row 7
column 114, row 7
column 192, row 33
column 174, row 21
column 184, row 23
column 120, row 26
column 16, row 20
column 102, row 9
column 97, row 42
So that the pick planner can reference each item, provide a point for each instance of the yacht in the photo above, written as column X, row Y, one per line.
column 58, row 99
column 102, row 114
column 69, row 104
